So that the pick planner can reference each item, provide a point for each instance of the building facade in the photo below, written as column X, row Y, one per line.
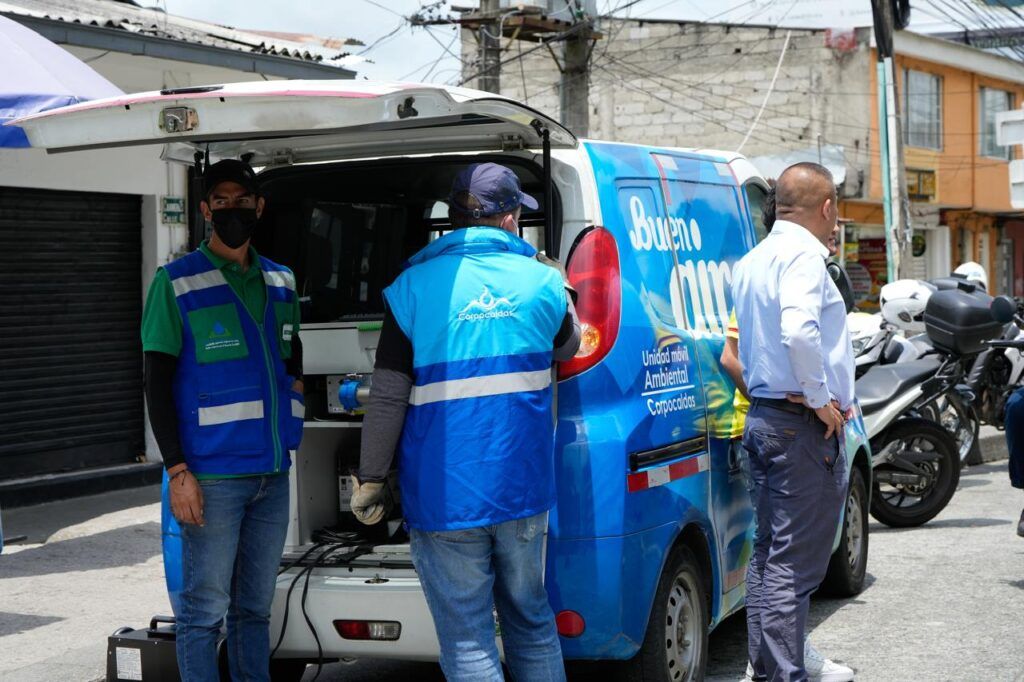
column 83, row 233
column 782, row 95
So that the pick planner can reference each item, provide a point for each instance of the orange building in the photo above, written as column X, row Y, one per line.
column 958, row 177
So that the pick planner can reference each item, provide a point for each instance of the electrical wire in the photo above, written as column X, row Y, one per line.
column 771, row 87
column 330, row 542
column 447, row 48
column 785, row 134
column 383, row 38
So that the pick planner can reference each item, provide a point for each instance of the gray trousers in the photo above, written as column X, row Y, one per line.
column 799, row 483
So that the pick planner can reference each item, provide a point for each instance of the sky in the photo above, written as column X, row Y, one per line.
column 399, row 51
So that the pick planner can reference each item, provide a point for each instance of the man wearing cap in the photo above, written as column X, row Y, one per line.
column 224, row 392
column 462, row 389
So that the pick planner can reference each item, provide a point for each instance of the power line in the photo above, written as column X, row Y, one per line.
column 775, row 77
column 384, row 7
column 784, row 134
column 697, row 85
column 384, row 37
column 435, row 62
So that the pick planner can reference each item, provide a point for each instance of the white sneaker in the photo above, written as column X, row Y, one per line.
column 819, row 668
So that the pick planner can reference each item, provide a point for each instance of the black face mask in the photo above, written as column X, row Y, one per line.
column 234, row 226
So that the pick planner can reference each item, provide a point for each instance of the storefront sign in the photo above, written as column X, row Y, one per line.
column 871, row 255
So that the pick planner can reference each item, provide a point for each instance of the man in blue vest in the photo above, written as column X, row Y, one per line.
column 224, row 391
column 462, row 387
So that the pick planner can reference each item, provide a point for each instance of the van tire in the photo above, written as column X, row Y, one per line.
column 671, row 640
column 849, row 563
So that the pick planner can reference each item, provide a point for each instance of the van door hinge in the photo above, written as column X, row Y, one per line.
column 511, row 142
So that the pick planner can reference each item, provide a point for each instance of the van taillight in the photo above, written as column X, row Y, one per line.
column 593, row 271
column 382, row 630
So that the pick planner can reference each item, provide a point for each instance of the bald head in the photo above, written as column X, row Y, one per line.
column 806, row 194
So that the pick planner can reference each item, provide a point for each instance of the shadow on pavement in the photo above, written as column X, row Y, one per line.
column 41, row 521
column 728, row 643
column 16, row 623
column 125, row 546
column 977, row 522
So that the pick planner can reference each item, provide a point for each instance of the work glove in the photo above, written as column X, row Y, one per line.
column 369, row 502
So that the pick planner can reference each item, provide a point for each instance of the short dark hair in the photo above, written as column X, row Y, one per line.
column 768, row 210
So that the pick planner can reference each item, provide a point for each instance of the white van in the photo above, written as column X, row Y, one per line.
column 648, row 545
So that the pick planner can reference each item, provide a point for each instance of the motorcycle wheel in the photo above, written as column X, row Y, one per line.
column 962, row 422
column 902, row 505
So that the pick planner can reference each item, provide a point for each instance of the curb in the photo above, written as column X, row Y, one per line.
column 23, row 492
column 992, row 442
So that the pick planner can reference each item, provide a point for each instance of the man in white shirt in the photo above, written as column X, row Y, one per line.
column 798, row 367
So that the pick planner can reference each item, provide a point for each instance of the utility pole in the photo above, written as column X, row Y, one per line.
column 490, row 46
column 890, row 133
column 574, row 99
column 541, row 25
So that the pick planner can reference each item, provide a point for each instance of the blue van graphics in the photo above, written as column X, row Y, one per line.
column 639, row 461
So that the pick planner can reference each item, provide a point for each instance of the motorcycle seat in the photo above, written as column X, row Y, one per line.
column 882, row 383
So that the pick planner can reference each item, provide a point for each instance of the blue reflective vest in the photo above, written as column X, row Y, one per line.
column 477, row 446
column 237, row 413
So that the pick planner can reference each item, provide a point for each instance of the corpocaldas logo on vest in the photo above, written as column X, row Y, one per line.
column 220, row 337
column 487, row 307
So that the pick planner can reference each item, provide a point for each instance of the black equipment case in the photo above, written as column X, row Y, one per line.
column 147, row 655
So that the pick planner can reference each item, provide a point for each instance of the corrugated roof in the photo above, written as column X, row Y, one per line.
column 129, row 16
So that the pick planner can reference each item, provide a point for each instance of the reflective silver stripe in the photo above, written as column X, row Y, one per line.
column 204, row 280
column 479, row 387
column 232, row 412
column 298, row 409
column 279, row 278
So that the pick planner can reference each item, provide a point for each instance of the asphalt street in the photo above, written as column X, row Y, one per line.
column 944, row 601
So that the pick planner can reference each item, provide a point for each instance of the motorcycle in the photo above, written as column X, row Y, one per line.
column 999, row 370
column 916, row 461
column 896, row 334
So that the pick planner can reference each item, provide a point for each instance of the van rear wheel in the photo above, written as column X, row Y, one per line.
column 848, row 566
column 675, row 648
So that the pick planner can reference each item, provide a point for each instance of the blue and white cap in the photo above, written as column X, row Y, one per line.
column 495, row 187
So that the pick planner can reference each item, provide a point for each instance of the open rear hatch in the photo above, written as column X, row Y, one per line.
column 281, row 122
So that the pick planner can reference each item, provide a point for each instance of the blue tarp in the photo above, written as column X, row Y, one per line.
column 37, row 75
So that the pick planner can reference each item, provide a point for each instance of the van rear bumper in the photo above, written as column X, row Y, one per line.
column 337, row 593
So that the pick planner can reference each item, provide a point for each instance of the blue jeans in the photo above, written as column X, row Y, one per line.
column 229, row 567
column 1015, row 437
column 466, row 574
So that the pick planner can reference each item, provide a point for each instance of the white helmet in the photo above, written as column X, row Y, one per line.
column 903, row 303
column 974, row 273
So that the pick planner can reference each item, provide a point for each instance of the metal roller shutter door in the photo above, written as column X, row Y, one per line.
column 70, row 355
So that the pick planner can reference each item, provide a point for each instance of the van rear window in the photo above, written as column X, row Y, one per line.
column 353, row 251
column 346, row 230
